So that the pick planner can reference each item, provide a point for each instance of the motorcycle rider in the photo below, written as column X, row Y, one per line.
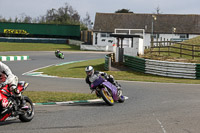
column 57, row 52
column 7, row 77
column 91, row 76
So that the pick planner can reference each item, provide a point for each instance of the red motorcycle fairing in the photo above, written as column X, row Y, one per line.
column 4, row 92
column 10, row 105
column 5, row 117
column 2, row 96
column 22, row 85
column 4, row 102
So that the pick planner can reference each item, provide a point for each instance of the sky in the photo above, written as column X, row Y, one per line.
column 36, row 8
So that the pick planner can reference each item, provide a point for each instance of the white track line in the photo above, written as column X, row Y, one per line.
column 161, row 125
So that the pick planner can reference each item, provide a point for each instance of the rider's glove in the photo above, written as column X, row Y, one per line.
column 91, row 87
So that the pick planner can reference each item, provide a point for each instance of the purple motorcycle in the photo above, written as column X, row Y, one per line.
column 109, row 92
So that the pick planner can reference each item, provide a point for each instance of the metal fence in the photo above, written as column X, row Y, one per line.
column 163, row 68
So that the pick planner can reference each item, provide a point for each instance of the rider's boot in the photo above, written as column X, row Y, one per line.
column 19, row 95
column 119, row 89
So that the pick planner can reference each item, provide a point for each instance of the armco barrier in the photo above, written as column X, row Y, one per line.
column 163, row 68
column 197, row 71
column 135, row 63
column 170, row 69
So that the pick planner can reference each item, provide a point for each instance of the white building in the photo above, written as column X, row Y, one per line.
column 160, row 26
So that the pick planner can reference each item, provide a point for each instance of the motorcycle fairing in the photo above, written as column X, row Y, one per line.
column 97, row 82
column 5, row 116
column 112, row 88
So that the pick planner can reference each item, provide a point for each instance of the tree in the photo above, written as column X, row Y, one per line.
column 158, row 10
column 23, row 19
column 62, row 15
column 27, row 19
column 2, row 19
column 87, row 21
column 51, row 15
column 123, row 11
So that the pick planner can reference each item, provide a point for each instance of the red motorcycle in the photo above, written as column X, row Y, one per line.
column 11, row 105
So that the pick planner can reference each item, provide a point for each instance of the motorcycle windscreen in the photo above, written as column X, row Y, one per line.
column 112, row 88
column 97, row 81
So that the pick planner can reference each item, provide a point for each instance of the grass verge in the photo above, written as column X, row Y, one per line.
column 45, row 96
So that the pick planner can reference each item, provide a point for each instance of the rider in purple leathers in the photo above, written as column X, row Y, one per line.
column 92, row 75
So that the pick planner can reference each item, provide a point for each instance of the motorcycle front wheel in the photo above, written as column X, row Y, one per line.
column 106, row 95
column 29, row 112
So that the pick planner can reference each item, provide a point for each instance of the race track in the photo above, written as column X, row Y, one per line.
column 151, row 107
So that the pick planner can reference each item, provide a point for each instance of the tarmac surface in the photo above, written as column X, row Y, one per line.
column 150, row 108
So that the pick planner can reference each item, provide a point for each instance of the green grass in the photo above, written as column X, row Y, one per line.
column 77, row 70
column 7, row 46
column 74, row 70
column 45, row 96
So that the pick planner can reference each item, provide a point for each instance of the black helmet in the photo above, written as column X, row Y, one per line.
column 89, row 70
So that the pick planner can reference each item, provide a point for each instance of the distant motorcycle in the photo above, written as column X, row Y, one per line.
column 109, row 92
column 10, row 105
column 59, row 55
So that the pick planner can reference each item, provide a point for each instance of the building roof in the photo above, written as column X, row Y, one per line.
column 164, row 23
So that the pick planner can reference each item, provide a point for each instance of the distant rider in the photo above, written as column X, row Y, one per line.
column 57, row 52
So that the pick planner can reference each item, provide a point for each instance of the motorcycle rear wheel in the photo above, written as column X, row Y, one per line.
column 29, row 114
column 106, row 96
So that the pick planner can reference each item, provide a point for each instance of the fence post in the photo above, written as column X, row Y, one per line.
column 159, row 49
column 164, row 41
column 180, row 50
column 192, row 51
column 152, row 42
column 168, row 50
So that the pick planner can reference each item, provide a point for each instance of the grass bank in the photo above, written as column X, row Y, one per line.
column 8, row 46
column 174, row 54
column 77, row 70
